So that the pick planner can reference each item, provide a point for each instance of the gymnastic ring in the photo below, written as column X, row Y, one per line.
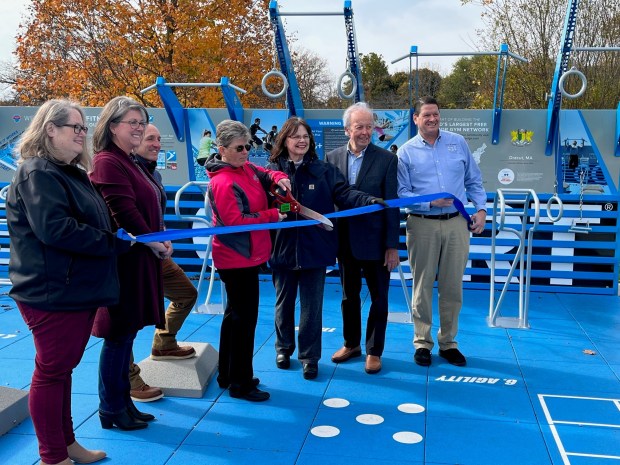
column 555, row 199
column 580, row 75
column 276, row 73
column 351, row 76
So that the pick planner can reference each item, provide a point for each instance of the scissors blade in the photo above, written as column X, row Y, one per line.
column 325, row 223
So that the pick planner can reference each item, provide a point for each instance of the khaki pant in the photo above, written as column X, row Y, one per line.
column 182, row 295
column 437, row 249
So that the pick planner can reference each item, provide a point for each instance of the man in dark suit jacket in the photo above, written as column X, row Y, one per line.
column 367, row 243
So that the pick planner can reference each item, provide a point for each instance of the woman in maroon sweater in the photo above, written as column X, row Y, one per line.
column 133, row 201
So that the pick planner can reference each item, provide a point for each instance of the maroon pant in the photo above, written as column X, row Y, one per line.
column 59, row 339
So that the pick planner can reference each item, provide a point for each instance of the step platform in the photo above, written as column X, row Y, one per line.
column 182, row 378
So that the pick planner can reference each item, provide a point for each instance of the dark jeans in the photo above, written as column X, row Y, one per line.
column 311, row 284
column 238, row 327
column 114, row 373
column 378, row 281
column 59, row 340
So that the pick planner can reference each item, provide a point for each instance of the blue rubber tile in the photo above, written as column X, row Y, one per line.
column 549, row 329
column 18, row 449
column 366, row 441
column 86, row 378
column 590, row 440
column 476, row 442
column 480, row 400
column 248, row 425
column 20, row 348
column 193, row 455
column 494, row 343
column 476, row 367
column 124, row 451
column 9, row 338
column 376, row 392
column 568, row 378
column 607, row 349
column 175, row 419
column 558, row 349
column 16, row 373
column 208, row 332
column 288, row 388
column 572, row 409
column 314, row 459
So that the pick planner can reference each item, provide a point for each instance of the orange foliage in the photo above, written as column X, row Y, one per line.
column 93, row 50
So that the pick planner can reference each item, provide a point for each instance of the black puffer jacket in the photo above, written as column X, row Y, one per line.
column 62, row 245
column 316, row 185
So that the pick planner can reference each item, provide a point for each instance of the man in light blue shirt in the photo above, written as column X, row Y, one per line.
column 437, row 235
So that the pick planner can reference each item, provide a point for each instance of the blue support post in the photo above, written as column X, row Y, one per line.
column 618, row 131
column 174, row 109
column 233, row 104
column 498, row 96
column 555, row 99
column 352, row 54
column 293, row 97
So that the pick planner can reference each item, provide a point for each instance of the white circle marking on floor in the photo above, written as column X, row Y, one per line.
column 336, row 403
column 407, row 437
column 325, row 431
column 410, row 408
column 369, row 419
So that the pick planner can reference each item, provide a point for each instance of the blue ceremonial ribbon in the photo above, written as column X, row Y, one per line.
column 175, row 234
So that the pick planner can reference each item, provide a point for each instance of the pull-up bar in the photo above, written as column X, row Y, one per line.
column 192, row 84
column 498, row 98
column 301, row 13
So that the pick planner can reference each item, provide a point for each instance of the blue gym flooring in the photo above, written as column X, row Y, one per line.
column 545, row 395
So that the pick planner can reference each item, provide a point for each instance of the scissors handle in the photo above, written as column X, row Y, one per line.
column 284, row 200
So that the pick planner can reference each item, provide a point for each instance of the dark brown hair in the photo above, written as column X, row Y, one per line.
column 289, row 128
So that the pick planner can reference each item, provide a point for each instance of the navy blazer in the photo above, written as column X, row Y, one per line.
column 370, row 235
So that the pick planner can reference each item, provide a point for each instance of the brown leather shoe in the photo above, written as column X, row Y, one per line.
column 373, row 364
column 344, row 354
column 146, row 394
column 178, row 353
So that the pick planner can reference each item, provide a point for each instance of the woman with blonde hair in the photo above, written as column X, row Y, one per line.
column 62, row 266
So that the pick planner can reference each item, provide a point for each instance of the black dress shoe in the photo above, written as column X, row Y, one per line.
column 283, row 361
column 311, row 370
column 453, row 356
column 253, row 395
column 422, row 357
column 122, row 420
column 224, row 384
column 137, row 414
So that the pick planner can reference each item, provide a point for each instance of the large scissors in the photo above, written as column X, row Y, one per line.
column 286, row 203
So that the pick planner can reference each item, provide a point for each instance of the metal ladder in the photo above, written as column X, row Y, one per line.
column 205, row 219
column 519, row 200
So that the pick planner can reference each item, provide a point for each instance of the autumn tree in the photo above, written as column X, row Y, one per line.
column 533, row 29
column 93, row 50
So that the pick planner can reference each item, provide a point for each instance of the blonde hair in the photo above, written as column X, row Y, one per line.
column 113, row 112
column 35, row 141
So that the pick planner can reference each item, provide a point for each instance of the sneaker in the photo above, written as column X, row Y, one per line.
column 453, row 356
column 422, row 357
column 146, row 394
column 178, row 353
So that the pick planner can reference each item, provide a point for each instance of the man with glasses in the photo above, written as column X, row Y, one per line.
column 367, row 243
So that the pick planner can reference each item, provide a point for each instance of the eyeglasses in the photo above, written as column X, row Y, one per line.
column 240, row 148
column 134, row 124
column 298, row 137
column 77, row 128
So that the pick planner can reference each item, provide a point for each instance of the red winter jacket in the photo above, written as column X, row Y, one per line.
column 238, row 197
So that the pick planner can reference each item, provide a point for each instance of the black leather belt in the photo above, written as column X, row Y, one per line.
column 443, row 216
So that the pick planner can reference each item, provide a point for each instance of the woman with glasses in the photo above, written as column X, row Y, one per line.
column 134, row 203
column 300, row 255
column 237, row 193
column 62, row 266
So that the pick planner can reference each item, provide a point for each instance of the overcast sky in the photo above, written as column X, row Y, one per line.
column 386, row 27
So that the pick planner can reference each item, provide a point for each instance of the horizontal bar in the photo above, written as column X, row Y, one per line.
column 596, row 49
column 448, row 54
column 311, row 13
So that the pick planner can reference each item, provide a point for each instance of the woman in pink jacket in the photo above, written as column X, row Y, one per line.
column 237, row 193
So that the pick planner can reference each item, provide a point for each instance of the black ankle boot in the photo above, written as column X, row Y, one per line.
column 122, row 420
column 137, row 414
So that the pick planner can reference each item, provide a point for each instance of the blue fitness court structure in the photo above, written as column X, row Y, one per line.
column 540, row 324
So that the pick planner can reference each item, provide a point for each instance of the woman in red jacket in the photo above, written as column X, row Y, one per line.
column 237, row 195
